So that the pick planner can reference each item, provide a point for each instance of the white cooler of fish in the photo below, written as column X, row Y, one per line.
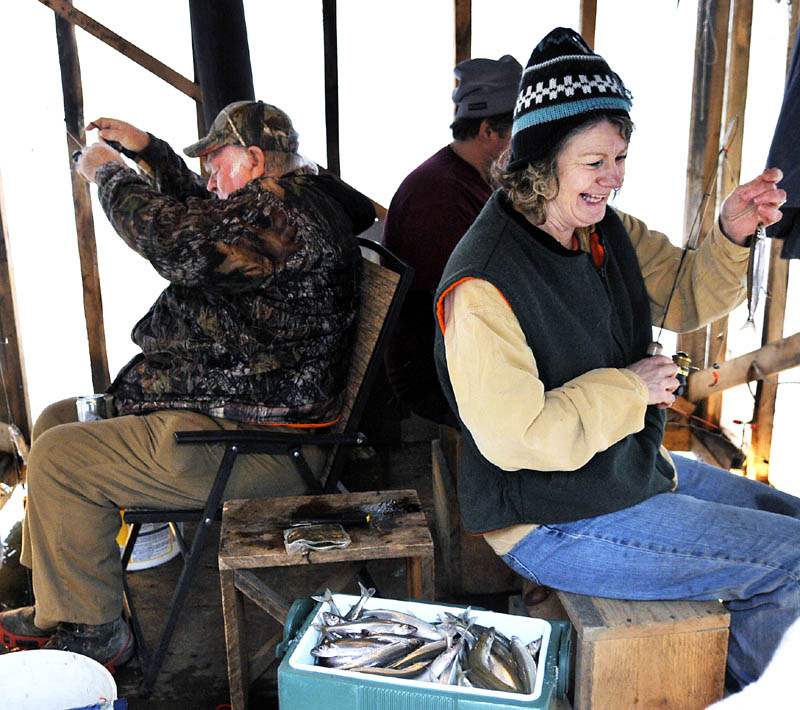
column 340, row 684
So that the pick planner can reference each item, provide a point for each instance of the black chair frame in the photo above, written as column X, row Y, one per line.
column 239, row 443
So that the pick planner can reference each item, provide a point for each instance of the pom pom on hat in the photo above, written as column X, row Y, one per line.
column 563, row 85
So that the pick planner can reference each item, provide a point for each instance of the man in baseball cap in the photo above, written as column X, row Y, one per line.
column 254, row 328
column 432, row 209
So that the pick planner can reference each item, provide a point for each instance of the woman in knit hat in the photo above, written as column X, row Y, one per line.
column 545, row 312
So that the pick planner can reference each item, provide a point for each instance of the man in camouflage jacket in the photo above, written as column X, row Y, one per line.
column 254, row 328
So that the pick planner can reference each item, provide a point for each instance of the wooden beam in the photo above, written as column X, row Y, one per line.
column 757, row 365
column 736, row 81
column 715, row 448
column 330, row 42
column 588, row 20
column 84, row 222
column 774, row 315
column 65, row 10
column 463, row 30
column 15, row 386
column 736, row 100
column 711, row 45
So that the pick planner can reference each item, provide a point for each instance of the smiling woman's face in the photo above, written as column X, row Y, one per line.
column 590, row 167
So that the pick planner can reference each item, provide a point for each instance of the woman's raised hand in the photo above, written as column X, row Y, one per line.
column 756, row 201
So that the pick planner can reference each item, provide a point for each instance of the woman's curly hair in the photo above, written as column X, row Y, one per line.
column 530, row 188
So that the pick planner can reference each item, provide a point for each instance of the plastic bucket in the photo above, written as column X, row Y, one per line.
column 155, row 545
column 53, row 680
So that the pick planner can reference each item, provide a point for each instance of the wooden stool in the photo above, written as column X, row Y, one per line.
column 249, row 540
column 636, row 654
column 470, row 565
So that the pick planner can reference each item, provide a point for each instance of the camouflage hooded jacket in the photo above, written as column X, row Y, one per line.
column 257, row 322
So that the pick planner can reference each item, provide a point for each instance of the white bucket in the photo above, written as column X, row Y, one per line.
column 155, row 545
column 42, row 679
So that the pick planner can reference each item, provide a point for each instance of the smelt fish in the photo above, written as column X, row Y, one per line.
column 384, row 654
column 367, row 628
column 353, row 646
column 480, row 668
column 355, row 610
column 423, row 653
column 534, row 646
column 442, row 664
column 484, row 679
column 504, row 669
column 525, row 665
column 424, row 629
column 756, row 265
column 327, row 598
column 406, row 672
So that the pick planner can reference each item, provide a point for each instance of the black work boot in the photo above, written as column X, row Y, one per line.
column 110, row 644
column 17, row 629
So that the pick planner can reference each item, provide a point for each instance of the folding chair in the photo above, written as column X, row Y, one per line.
column 383, row 288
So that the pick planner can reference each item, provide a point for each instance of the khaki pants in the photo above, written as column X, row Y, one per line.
column 81, row 474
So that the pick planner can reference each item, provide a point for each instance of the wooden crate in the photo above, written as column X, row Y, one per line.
column 470, row 565
column 641, row 655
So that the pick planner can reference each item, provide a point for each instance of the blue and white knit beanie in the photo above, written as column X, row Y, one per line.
column 563, row 85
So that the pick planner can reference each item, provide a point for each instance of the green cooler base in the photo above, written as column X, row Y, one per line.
column 303, row 685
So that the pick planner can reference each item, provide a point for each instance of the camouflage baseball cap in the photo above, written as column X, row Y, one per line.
column 248, row 123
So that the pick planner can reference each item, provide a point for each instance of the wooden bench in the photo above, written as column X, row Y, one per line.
column 637, row 654
column 470, row 565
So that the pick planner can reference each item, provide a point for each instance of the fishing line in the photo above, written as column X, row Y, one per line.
column 80, row 143
column 723, row 153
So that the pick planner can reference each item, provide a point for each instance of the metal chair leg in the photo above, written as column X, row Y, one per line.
column 151, row 664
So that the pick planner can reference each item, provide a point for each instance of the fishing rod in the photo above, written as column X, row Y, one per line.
column 682, row 359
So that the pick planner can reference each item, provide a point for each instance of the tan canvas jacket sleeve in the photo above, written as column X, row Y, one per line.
column 514, row 422
column 712, row 282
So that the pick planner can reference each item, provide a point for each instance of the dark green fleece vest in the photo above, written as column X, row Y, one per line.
column 576, row 317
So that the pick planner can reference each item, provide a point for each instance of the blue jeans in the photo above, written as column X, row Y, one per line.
column 718, row 536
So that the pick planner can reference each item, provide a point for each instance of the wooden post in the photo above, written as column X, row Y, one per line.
column 588, row 20
column 736, row 82
column 15, row 389
column 331, row 84
column 704, row 137
column 774, row 313
column 84, row 223
column 463, row 30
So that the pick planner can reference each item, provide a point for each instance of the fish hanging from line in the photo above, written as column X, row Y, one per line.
column 756, row 265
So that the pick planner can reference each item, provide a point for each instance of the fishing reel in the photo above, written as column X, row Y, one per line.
column 681, row 359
